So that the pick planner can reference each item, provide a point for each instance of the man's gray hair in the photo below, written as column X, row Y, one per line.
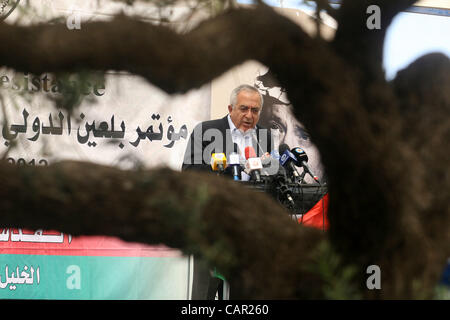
column 242, row 87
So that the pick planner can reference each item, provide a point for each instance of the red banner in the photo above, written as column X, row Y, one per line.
column 41, row 242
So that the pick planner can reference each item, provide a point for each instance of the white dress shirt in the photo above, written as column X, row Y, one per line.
column 243, row 140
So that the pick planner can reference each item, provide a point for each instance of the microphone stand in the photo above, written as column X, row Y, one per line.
column 302, row 177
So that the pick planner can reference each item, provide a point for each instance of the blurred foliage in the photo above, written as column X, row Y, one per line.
column 339, row 279
column 442, row 293
column 74, row 86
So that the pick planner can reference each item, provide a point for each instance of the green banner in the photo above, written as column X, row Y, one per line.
column 89, row 277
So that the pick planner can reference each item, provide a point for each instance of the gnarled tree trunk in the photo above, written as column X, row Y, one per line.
column 383, row 145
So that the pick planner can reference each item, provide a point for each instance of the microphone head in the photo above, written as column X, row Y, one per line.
column 233, row 159
column 282, row 148
column 253, row 164
column 300, row 154
column 287, row 157
column 250, row 152
column 218, row 161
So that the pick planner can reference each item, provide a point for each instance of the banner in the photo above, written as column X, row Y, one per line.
column 121, row 121
column 54, row 265
column 131, row 124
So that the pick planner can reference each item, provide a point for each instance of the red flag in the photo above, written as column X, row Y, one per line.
column 317, row 217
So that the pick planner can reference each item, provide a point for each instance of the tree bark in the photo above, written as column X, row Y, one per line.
column 233, row 227
column 382, row 145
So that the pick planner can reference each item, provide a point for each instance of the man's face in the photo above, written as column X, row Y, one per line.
column 245, row 114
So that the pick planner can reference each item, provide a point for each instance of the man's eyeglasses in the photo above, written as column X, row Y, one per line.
column 244, row 109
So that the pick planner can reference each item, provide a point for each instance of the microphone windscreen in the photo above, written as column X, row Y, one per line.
column 300, row 154
column 250, row 152
column 233, row 159
column 218, row 159
column 282, row 148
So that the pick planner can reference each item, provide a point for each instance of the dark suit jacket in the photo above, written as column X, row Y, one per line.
column 214, row 136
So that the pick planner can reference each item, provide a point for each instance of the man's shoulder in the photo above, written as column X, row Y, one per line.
column 215, row 123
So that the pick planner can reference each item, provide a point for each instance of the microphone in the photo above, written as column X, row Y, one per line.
column 236, row 148
column 218, row 162
column 235, row 164
column 275, row 154
column 288, row 159
column 250, row 152
column 253, row 165
column 302, row 160
column 270, row 162
column 285, row 191
column 276, row 143
column 271, row 165
column 255, row 138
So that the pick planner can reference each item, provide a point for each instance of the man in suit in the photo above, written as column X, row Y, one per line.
column 239, row 128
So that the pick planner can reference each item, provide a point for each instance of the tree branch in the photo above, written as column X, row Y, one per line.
column 362, row 46
column 378, row 199
column 179, row 62
column 189, row 211
column 174, row 62
column 425, row 108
